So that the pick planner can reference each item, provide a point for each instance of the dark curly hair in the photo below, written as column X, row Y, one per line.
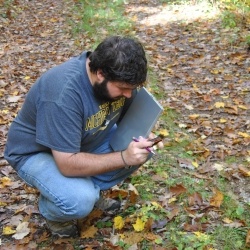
column 120, row 59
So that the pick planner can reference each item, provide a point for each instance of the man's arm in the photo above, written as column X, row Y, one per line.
column 88, row 164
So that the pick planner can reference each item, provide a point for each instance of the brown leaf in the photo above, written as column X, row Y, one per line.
column 195, row 199
column 178, row 189
column 245, row 171
column 248, row 239
column 89, row 232
column 132, row 238
column 195, row 227
column 216, row 199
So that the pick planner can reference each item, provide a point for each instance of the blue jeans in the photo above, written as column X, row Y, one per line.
column 67, row 198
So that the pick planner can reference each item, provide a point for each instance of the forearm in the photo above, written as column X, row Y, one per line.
column 87, row 164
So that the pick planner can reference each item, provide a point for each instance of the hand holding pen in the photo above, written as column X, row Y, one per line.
column 147, row 148
column 156, row 140
column 136, row 154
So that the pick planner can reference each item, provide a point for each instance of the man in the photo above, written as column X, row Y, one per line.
column 59, row 141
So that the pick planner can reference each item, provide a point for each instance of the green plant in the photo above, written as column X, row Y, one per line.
column 101, row 224
column 247, row 40
column 235, row 12
column 229, row 19
column 99, row 19
column 191, row 241
column 229, row 238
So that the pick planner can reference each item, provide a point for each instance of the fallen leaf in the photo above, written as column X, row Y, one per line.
column 195, row 199
column 216, row 199
column 118, row 222
column 89, row 232
column 8, row 230
column 222, row 120
column 227, row 220
column 185, row 163
column 177, row 189
column 139, row 225
column 245, row 135
column 242, row 107
column 219, row 105
column 164, row 132
column 194, row 116
column 132, row 238
column 245, row 171
column 5, row 181
column 13, row 98
column 248, row 239
column 21, row 231
column 195, row 164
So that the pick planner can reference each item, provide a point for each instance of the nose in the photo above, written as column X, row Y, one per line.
column 127, row 93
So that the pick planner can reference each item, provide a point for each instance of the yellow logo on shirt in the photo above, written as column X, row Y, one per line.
column 106, row 109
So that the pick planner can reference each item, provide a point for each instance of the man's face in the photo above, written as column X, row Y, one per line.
column 111, row 91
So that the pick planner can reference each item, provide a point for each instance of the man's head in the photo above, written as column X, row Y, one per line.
column 119, row 60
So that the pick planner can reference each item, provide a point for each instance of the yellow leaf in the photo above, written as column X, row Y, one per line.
column 27, row 77
column 155, row 204
column 163, row 132
column 202, row 236
column 198, row 234
column 242, row 106
column 5, row 111
column 223, row 120
column 194, row 116
column 245, row 135
column 215, row 71
column 195, row 87
column 118, row 222
column 3, row 204
column 122, row 236
column 139, row 225
column 134, row 18
column 171, row 200
column 53, row 20
column 195, row 164
column 5, row 181
column 219, row 104
column 8, row 230
column 227, row 220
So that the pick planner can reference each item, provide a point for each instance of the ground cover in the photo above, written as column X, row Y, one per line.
column 195, row 194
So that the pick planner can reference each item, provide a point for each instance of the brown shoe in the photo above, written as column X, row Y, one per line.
column 107, row 204
column 63, row 229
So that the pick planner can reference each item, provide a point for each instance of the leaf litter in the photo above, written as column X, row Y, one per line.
column 205, row 79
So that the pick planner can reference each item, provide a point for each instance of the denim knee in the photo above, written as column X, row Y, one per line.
column 70, row 208
column 82, row 206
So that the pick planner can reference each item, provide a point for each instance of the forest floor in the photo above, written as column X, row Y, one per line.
column 203, row 76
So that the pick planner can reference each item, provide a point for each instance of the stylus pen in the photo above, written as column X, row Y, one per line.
column 147, row 148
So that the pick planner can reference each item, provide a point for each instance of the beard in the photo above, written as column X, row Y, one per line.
column 101, row 91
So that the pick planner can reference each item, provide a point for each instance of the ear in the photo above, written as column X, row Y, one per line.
column 99, row 75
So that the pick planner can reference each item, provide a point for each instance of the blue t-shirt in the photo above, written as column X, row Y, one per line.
column 60, row 112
